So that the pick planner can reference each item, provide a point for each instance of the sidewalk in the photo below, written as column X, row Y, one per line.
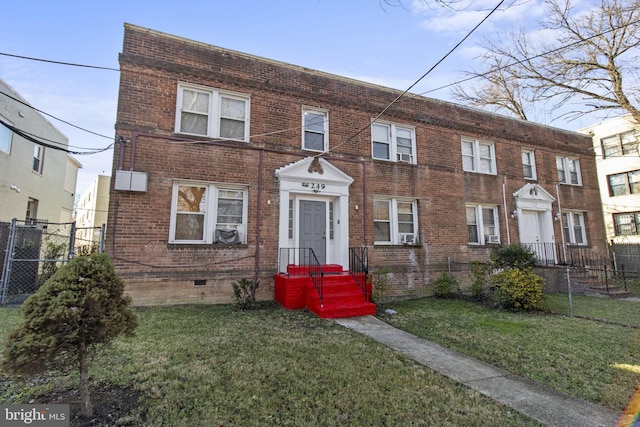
column 541, row 403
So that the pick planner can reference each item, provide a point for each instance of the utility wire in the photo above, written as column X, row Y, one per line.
column 54, row 117
column 397, row 99
column 28, row 137
column 577, row 42
column 42, row 138
column 421, row 77
column 59, row 62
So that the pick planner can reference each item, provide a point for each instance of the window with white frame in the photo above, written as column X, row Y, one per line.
column 393, row 142
column 395, row 221
column 623, row 144
column 38, row 158
column 208, row 213
column 315, row 124
column 478, row 156
column 482, row 224
column 528, row 164
column 568, row 170
column 5, row 137
column 212, row 113
column 574, row 231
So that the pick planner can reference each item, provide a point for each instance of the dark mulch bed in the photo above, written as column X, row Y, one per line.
column 112, row 406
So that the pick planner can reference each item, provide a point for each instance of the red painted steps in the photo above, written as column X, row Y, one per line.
column 342, row 296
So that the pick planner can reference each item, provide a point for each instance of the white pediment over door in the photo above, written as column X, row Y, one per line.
column 533, row 196
column 313, row 173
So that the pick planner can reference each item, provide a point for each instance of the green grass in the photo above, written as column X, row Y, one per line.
column 612, row 310
column 212, row 365
column 585, row 358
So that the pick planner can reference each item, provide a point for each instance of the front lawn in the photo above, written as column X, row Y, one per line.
column 596, row 361
column 213, row 365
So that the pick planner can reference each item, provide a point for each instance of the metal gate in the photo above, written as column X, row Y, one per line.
column 32, row 251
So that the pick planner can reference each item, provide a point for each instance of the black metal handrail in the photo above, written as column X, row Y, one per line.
column 306, row 262
column 359, row 269
column 565, row 254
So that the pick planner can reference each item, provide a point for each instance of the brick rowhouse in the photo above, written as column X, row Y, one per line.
column 456, row 203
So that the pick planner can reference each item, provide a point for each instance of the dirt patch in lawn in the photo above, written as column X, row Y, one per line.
column 112, row 406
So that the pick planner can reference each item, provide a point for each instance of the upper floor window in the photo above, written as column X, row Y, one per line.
column 626, row 224
column 38, row 158
column 528, row 164
column 395, row 221
column 624, row 183
column 478, row 156
column 568, row 170
column 212, row 113
column 574, row 231
column 393, row 142
column 5, row 137
column 208, row 213
column 482, row 224
column 315, row 124
column 622, row 144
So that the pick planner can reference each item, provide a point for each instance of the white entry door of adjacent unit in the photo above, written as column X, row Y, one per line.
column 532, row 234
column 313, row 228
column 529, row 227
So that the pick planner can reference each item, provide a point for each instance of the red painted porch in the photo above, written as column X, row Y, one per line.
column 342, row 297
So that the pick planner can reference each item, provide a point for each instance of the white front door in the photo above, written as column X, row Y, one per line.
column 536, row 233
column 529, row 227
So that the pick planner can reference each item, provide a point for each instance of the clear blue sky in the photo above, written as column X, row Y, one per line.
column 362, row 39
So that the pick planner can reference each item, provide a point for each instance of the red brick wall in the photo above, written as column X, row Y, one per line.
column 151, row 66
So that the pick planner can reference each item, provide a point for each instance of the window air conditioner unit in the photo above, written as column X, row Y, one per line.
column 405, row 158
column 227, row 237
column 407, row 238
column 492, row 238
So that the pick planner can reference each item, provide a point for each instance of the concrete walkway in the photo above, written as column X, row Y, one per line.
column 544, row 404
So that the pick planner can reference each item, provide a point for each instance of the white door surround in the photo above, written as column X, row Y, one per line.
column 315, row 179
column 534, row 210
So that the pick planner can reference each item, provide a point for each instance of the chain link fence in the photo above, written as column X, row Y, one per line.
column 600, row 293
column 33, row 251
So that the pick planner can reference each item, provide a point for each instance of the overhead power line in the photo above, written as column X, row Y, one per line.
column 558, row 49
column 54, row 117
column 423, row 76
column 28, row 137
column 58, row 62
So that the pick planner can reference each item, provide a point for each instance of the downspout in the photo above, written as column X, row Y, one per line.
column 134, row 138
column 506, row 212
column 122, row 142
column 257, row 256
column 564, row 251
column 364, row 203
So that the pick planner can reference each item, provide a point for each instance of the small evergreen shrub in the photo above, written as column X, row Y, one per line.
column 479, row 272
column 446, row 286
column 516, row 289
column 82, row 305
column 244, row 292
column 514, row 256
column 380, row 285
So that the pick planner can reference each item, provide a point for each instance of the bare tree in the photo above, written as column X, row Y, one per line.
column 451, row 4
column 588, row 59
column 500, row 89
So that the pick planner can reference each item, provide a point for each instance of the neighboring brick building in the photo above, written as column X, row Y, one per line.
column 227, row 158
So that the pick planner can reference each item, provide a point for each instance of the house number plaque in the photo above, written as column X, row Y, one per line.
column 313, row 186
